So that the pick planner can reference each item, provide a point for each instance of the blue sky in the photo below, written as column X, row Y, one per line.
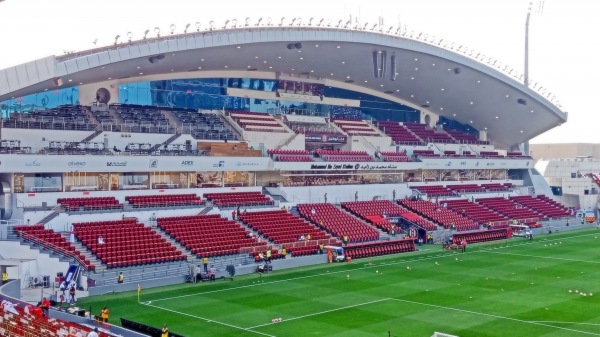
column 563, row 44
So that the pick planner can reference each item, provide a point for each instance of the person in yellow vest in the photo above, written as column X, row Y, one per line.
column 4, row 277
column 121, row 277
column 268, row 255
column 284, row 252
column 205, row 262
column 165, row 331
column 104, row 314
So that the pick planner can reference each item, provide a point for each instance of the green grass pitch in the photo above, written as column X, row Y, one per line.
column 509, row 288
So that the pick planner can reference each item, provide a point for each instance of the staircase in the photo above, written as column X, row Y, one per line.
column 166, row 142
column 206, row 209
column 55, row 212
column 191, row 258
column 275, row 194
column 173, row 120
column 93, row 135
column 287, row 141
column 100, row 267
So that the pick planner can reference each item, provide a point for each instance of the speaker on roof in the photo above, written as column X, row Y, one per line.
column 57, row 82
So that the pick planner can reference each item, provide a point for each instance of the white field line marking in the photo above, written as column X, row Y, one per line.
column 559, row 322
column 207, row 320
column 301, row 277
column 360, row 268
column 322, row 312
column 496, row 316
column 544, row 257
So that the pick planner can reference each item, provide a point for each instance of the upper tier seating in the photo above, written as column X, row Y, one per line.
column 208, row 235
column 236, row 199
column 399, row 133
column 464, row 138
column 475, row 211
column 356, row 127
column 429, row 135
column 126, row 243
column 255, row 121
column 511, row 209
column 204, row 125
column 312, row 127
column 281, row 226
column 52, row 240
column 290, row 155
column 516, row 155
column 434, row 190
column 378, row 208
column 89, row 203
column 496, row 187
column 338, row 222
column 489, row 154
column 544, row 205
column 337, row 155
column 395, row 156
column 445, row 217
column 164, row 200
column 64, row 117
column 425, row 153
column 137, row 118
column 465, row 188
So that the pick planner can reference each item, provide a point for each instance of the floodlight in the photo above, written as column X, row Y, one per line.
column 129, row 36
column 198, row 26
column 186, row 28
column 157, row 31
column 146, row 33
column 117, row 39
column 173, row 29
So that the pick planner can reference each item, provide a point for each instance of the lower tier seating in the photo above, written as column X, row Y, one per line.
column 124, row 243
column 443, row 216
column 208, row 235
column 281, row 226
column 338, row 222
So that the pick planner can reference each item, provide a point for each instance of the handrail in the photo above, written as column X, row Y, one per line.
column 54, row 248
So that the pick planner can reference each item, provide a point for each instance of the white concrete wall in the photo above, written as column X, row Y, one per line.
column 117, row 138
column 33, row 262
column 342, row 193
column 50, row 198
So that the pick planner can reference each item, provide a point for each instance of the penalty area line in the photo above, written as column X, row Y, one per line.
column 205, row 319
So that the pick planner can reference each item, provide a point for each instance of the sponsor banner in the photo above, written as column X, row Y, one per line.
column 345, row 166
column 477, row 163
column 37, row 163
column 320, row 138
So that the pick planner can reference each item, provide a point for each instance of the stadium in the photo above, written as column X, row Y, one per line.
column 212, row 155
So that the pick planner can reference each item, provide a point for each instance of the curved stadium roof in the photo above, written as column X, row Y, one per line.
column 427, row 76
